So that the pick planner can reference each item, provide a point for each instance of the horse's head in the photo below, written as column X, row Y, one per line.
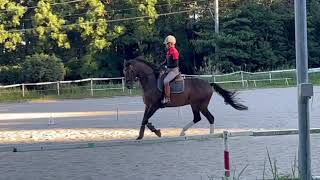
column 129, row 73
column 136, row 69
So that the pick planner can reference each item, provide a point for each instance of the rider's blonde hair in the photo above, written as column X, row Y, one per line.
column 170, row 39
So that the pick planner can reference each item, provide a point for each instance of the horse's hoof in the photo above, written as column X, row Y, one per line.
column 158, row 133
column 182, row 134
column 139, row 138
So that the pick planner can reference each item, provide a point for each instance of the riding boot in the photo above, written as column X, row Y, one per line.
column 167, row 94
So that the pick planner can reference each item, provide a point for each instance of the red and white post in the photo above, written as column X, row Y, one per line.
column 226, row 156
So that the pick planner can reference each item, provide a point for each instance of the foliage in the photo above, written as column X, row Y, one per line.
column 42, row 67
column 10, row 18
column 10, row 74
column 93, row 37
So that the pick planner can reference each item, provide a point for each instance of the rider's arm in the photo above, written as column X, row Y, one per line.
column 163, row 63
column 175, row 54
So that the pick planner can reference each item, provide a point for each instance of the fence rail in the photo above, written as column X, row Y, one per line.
column 242, row 78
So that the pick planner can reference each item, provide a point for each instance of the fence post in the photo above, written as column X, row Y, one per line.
column 242, row 79
column 91, row 88
column 122, row 81
column 226, row 156
column 22, row 90
column 214, row 78
column 270, row 76
column 287, row 82
column 58, row 88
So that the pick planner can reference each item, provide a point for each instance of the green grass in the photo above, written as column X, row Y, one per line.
column 75, row 92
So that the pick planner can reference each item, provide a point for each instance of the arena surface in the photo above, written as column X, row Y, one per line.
column 97, row 120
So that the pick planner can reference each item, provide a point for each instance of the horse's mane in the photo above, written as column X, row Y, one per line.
column 141, row 59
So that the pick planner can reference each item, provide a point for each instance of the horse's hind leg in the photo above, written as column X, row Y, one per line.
column 210, row 118
column 196, row 118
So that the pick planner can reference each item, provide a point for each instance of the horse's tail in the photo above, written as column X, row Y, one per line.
column 229, row 97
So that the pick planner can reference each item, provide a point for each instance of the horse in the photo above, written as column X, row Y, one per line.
column 197, row 93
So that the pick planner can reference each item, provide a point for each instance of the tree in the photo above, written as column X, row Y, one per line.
column 42, row 67
column 10, row 17
column 253, row 37
column 314, row 34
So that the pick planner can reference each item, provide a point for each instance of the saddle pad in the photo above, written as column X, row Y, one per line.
column 175, row 86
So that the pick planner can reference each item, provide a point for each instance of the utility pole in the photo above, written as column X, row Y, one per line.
column 305, row 89
column 215, row 15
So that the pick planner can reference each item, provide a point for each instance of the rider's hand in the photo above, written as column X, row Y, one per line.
column 163, row 64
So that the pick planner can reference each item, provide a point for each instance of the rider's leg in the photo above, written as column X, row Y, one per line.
column 166, row 81
column 170, row 76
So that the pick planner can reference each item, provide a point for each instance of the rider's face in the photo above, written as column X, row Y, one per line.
column 169, row 45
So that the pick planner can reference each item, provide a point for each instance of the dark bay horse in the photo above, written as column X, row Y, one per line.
column 197, row 93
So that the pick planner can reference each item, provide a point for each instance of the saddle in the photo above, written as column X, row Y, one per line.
column 176, row 85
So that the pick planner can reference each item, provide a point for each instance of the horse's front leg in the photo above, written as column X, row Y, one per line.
column 153, row 129
column 148, row 112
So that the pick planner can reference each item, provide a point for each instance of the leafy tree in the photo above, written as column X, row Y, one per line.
column 314, row 34
column 10, row 74
column 252, row 38
column 93, row 37
column 10, row 17
column 42, row 67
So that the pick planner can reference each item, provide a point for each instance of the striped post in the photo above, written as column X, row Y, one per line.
column 226, row 156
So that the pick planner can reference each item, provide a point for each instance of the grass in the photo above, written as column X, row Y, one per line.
column 273, row 168
column 76, row 92
column 275, row 171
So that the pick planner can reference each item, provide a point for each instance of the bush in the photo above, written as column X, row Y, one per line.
column 10, row 74
column 42, row 67
column 89, row 67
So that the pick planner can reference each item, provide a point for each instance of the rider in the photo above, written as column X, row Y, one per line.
column 172, row 63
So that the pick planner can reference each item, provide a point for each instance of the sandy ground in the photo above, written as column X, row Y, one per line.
column 90, row 134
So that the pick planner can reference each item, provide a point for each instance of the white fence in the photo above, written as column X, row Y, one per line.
column 241, row 77
column 58, row 84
